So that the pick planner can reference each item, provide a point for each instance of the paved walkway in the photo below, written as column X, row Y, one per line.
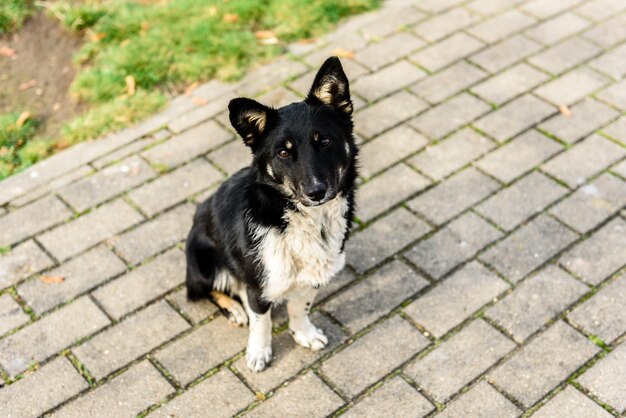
column 486, row 277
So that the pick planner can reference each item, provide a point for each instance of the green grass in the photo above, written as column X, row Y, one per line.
column 17, row 147
column 164, row 46
column 13, row 13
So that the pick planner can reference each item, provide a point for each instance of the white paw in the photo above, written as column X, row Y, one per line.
column 237, row 315
column 258, row 358
column 310, row 337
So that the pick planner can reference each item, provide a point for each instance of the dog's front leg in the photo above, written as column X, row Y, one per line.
column 304, row 332
column 259, row 350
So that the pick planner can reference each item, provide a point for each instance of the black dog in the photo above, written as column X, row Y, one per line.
column 276, row 230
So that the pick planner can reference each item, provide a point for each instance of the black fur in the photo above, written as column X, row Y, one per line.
column 220, row 237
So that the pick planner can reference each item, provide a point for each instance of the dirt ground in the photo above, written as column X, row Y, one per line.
column 38, row 76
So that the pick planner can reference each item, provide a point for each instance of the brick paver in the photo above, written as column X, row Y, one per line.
column 485, row 275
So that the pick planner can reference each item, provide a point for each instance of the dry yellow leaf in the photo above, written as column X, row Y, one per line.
column 199, row 101
column 22, row 119
column 230, row 18
column 343, row 53
column 52, row 279
column 565, row 111
column 130, row 85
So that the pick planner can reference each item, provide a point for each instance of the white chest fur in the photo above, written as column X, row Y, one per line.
column 307, row 252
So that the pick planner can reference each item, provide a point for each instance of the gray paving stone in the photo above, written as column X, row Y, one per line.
column 307, row 396
column 221, row 395
column 518, row 156
column 278, row 97
column 388, row 149
column 395, row 397
column 188, row 145
column 617, row 129
column 600, row 9
column 536, row 301
column 497, row 57
column 558, row 28
column 367, row 248
column 592, row 204
column 586, row 117
column 608, row 33
column 386, row 347
column 571, row 87
column 603, row 314
column 510, row 83
column 448, row 116
column 454, row 195
column 459, row 241
column 386, row 81
column 387, row 113
column 600, row 255
column 571, row 403
column 198, row 114
column 482, row 401
column 196, row 311
column 289, row 358
column 615, row 95
column 205, row 348
column 142, row 284
column 155, row 235
column 532, row 372
column 388, row 189
column 29, row 220
column 607, row 379
column 232, row 157
column 547, row 8
column 391, row 20
column 107, row 183
column 38, row 392
column 80, row 275
column 129, row 339
column 620, row 169
column 177, row 185
column 126, row 395
column 24, row 260
column 76, row 236
column 514, row 117
column 612, row 62
column 132, row 148
column 529, row 195
column 447, row 51
column 341, row 279
column 489, row 7
column 445, row 83
column 442, row 159
column 377, row 55
column 11, row 314
column 453, row 364
column 565, row 55
column 375, row 296
column 444, row 24
column 435, row 6
column 52, row 185
column 584, row 160
column 50, row 335
column 529, row 247
column 456, row 298
column 502, row 25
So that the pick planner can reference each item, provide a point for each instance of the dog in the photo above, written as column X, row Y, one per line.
column 277, row 230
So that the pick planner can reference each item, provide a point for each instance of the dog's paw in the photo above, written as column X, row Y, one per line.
column 259, row 358
column 237, row 315
column 310, row 337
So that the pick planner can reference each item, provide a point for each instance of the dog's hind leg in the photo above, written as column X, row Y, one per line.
column 235, row 312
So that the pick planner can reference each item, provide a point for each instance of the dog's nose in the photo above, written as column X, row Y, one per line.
column 316, row 191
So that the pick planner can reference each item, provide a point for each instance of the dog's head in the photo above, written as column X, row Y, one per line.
column 304, row 149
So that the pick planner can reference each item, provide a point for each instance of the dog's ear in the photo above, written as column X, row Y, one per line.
column 331, row 87
column 250, row 118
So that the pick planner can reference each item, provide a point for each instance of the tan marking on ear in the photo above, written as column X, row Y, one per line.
column 258, row 118
column 323, row 92
column 222, row 300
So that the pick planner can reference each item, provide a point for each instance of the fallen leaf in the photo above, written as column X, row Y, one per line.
column 97, row 37
column 22, row 119
column 260, row 396
column 565, row 111
column 52, row 279
column 343, row 53
column 230, row 18
column 307, row 41
column 199, row 101
column 6, row 51
column 264, row 34
column 268, row 41
column 212, row 11
column 191, row 88
column 130, row 85
column 28, row 84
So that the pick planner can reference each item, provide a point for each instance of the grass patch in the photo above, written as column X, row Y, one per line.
column 13, row 13
column 137, row 53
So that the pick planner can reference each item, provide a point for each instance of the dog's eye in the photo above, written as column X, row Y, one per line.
column 283, row 153
column 325, row 142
